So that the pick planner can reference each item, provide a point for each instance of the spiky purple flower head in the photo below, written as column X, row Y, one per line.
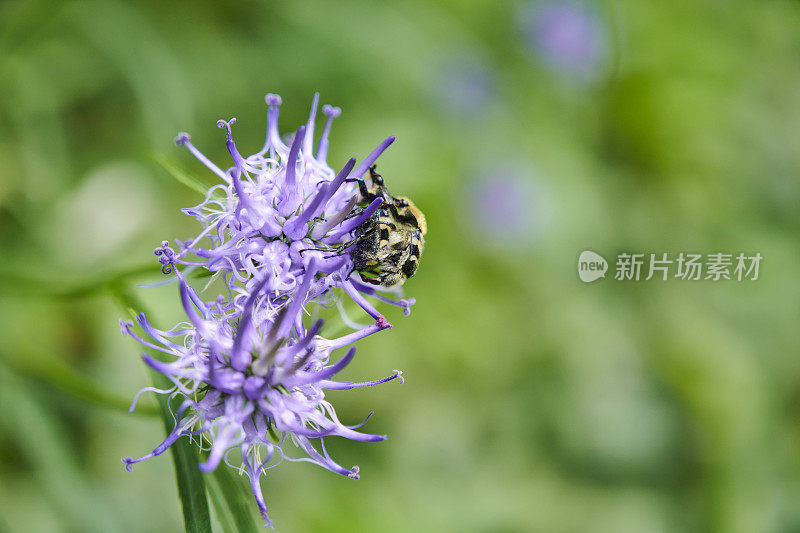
column 250, row 374
column 277, row 209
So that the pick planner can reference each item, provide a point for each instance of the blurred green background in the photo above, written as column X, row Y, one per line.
column 527, row 132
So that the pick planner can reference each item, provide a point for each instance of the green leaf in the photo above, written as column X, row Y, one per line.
column 224, row 516
column 39, row 435
column 60, row 376
column 232, row 501
column 179, row 175
column 191, row 485
column 99, row 282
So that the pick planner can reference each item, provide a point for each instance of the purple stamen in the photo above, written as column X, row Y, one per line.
column 240, row 359
column 347, row 385
column 360, row 424
column 296, row 228
column 331, row 112
column 166, row 256
column 188, row 307
column 223, row 440
column 238, row 160
column 273, row 139
column 319, row 459
column 354, row 337
column 289, row 194
column 351, row 291
column 372, row 157
column 299, row 299
column 322, row 229
column 127, row 330
column 183, row 139
column 309, row 336
column 296, row 366
column 291, row 164
column 328, row 371
column 405, row 304
column 334, row 185
column 235, row 175
column 165, row 368
column 332, row 264
column 174, row 435
column 356, row 221
column 132, row 408
column 255, row 475
column 308, row 138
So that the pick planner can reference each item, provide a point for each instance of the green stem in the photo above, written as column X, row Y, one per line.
column 228, row 495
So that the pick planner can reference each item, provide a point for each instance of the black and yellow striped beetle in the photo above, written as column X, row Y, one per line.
column 388, row 245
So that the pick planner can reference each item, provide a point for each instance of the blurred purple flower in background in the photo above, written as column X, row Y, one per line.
column 250, row 375
column 462, row 83
column 569, row 36
column 506, row 205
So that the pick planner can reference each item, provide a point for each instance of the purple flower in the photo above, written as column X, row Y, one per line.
column 507, row 205
column 252, row 387
column 279, row 208
column 567, row 35
column 250, row 374
column 462, row 84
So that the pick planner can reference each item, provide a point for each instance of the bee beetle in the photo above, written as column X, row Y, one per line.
column 388, row 245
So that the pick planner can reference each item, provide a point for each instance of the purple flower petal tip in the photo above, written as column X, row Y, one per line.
column 227, row 125
column 272, row 99
column 331, row 111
